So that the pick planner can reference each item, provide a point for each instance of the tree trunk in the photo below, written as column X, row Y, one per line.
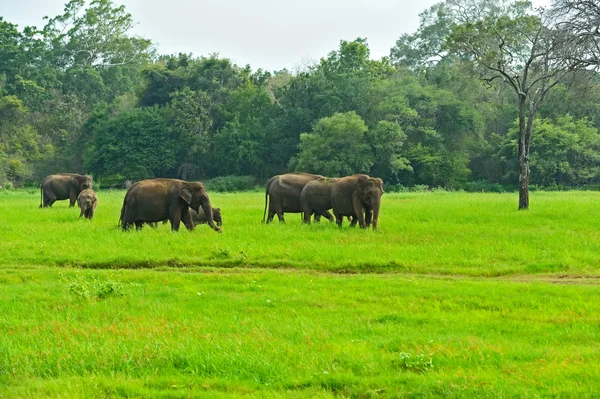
column 523, row 156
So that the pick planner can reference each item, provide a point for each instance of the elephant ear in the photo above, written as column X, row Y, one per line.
column 186, row 194
column 76, row 181
column 380, row 184
column 360, row 186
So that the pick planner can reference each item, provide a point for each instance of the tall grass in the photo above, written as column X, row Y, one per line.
column 260, row 333
column 435, row 233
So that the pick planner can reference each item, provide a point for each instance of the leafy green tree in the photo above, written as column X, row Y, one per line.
column 20, row 144
column 426, row 47
column 563, row 153
column 386, row 140
column 524, row 51
column 337, row 146
column 136, row 144
column 239, row 148
column 191, row 122
column 95, row 36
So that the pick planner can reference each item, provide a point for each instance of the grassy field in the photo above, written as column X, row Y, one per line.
column 457, row 295
column 426, row 233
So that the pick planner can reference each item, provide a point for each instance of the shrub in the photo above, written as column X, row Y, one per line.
column 483, row 186
column 83, row 288
column 231, row 183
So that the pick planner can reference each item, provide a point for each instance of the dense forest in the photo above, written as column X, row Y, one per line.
column 483, row 92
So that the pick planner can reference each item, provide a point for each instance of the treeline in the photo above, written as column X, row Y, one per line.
column 84, row 95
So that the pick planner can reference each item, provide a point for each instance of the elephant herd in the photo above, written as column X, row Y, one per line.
column 154, row 200
column 358, row 197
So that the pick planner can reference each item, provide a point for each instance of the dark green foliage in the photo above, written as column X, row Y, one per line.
column 563, row 153
column 137, row 144
column 336, row 147
column 86, row 95
column 231, row 183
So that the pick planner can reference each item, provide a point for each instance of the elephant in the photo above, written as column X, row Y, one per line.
column 316, row 197
column 154, row 200
column 284, row 194
column 358, row 196
column 199, row 217
column 63, row 186
column 87, row 201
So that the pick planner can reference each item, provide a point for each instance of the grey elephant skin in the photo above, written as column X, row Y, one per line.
column 283, row 192
column 358, row 196
column 154, row 200
column 316, row 197
column 200, row 217
column 63, row 186
column 87, row 201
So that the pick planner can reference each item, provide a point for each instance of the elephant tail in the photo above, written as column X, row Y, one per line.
column 41, row 195
column 122, row 213
column 266, row 203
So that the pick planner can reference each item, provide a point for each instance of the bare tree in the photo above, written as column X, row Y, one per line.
column 526, row 50
column 581, row 20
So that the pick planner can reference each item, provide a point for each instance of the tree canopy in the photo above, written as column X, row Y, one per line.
column 486, row 91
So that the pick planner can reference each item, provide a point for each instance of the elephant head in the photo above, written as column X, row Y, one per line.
column 369, row 191
column 81, row 182
column 217, row 216
column 195, row 196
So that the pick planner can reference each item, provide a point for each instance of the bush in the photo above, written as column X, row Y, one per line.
column 396, row 188
column 483, row 186
column 231, row 183
column 87, row 288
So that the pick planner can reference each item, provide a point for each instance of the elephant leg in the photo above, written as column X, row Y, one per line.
column 90, row 213
column 327, row 215
column 359, row 212
column 175, row 218
column 82, row 213
column 49, row 200
column 280, row 216
column 307, row 214
column 72, row 198
column 353, row 220
column 126, row 218
column 187, row 219
column 339, row 219
column 139, row 225
column 368, row 216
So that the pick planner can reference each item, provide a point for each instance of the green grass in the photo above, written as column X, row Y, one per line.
column 457, row 295
column 240, row 332
column 427, row 233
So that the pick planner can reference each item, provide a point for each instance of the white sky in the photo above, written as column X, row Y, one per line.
column 268, row 34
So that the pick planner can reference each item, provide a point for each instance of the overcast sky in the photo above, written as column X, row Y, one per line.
column 268, row 34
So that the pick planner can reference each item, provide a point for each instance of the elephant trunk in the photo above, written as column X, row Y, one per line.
column 209, row 214
column 376, row 203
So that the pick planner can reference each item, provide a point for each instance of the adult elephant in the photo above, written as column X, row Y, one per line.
column 284, row 191
column 358, row 196
column 316, row 197
column 153, row 200
column 63, row 186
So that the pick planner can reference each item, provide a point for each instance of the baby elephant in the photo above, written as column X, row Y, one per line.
column 87, row 201
column 200, row 217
